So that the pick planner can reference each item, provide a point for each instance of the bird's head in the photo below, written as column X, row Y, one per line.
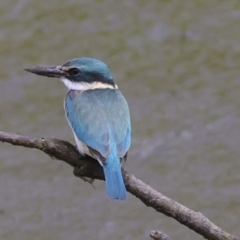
column 79, row 74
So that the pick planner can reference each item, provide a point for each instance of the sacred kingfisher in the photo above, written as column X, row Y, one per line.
column 98, row 115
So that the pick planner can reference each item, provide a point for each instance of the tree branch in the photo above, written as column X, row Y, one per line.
column 87, row 167
column 158, row 235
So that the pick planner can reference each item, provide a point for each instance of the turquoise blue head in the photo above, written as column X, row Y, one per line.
column 79, row 73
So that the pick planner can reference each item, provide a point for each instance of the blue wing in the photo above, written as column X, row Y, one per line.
column 98, row 117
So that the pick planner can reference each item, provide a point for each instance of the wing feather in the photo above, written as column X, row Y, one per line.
column 98, row 116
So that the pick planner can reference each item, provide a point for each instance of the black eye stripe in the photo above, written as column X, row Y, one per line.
column 74, row 71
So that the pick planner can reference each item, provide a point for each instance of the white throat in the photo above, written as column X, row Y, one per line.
column 83, row 86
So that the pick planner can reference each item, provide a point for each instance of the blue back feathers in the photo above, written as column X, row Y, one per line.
column 100, row 119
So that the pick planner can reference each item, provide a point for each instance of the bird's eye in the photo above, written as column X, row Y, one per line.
column 74, row 71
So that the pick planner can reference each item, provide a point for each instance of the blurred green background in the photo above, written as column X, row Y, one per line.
column 178, row 65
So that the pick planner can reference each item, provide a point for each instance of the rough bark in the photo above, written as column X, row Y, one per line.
column 88, row 167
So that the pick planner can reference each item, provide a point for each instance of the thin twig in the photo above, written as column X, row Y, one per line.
column 158, row 235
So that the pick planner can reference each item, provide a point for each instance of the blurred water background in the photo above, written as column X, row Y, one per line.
column 178, row 65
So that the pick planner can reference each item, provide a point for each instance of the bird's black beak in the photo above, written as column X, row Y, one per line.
column 53, row 71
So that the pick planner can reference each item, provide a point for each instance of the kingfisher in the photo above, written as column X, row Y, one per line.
column 98, row 115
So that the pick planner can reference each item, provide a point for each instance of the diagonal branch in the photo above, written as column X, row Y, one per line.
column 87, row 167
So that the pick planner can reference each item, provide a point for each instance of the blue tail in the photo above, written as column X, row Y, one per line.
column 115, row 186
